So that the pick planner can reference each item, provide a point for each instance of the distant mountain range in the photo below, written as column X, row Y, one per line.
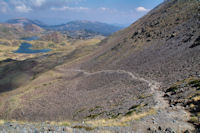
column 145, row 78
column 95, row 27
column 73, row 26
column 25, row 21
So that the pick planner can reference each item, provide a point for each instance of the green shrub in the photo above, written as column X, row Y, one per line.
column 172, row 89
column 194, row 119
column 195, row 83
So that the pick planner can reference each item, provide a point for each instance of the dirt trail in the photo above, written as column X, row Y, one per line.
column 175, row 117
column 166, row 116
column 153, row 85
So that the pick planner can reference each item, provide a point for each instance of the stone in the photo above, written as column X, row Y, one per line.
column 169, row 130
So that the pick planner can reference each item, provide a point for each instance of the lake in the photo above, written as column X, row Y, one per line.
column 30, row 38
column 25, row 47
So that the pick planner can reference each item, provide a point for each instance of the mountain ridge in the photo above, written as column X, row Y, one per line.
column 25, row 21
column 79, row 25
column 97, row 27
column 132, row 82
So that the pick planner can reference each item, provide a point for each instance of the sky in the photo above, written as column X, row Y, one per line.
column 53, row 12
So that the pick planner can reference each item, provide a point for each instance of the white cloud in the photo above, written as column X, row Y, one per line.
column 26, row 6
column 103, row 8
column 109, row 10
column 38, row 2
column 23, row 8
column 69, row 8
column 142, row 9
column 83, row 8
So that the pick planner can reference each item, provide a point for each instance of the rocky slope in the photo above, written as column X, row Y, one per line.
column 159, row 45
column 55, row 37
column 124, row 86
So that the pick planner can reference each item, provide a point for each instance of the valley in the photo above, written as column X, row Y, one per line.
column 141, row 79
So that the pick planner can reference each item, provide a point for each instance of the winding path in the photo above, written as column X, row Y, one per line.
column 178, row 117
column 161, row 103
column 166, row 117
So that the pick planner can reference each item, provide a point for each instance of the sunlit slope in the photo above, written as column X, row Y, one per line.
column 121, row 78
column 163, row 45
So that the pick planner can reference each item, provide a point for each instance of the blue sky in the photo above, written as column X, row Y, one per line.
column 61, row 11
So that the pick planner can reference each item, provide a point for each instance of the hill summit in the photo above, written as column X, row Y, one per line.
column 25, row 21
column 145, row 78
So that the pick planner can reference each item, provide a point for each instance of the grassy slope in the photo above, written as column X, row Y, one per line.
column 8, row 46
column 17, row 73
column 68, row 52
column 157, row 46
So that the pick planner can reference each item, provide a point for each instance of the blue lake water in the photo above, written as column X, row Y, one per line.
column 31, row 38
column 25, row 47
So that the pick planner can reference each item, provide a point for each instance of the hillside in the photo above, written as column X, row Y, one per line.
column 28, row 25
column 17, row 31
column 19, row 28
column 163, row 45
column 144, row 78
column 55, row 37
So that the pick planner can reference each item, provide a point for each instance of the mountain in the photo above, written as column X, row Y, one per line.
column 25, row 21
column 10, row 31
column 162, row 46
column 95, row 27
column 145, row 78
column 17, row 31
column 27, row 24
column 75, row 29
column 158, row 45
column 19, row 28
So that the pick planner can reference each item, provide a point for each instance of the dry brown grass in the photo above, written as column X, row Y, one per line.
column 123, row 121
column 86, row 42
column 7, row 51
column 197, row 98
column 8, row 46
column 106, row 131
column 12, row 121
column 15, row 97
column 92, row 124
column 2, row 122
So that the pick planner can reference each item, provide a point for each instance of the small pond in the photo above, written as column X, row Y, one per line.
column 25, row 47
